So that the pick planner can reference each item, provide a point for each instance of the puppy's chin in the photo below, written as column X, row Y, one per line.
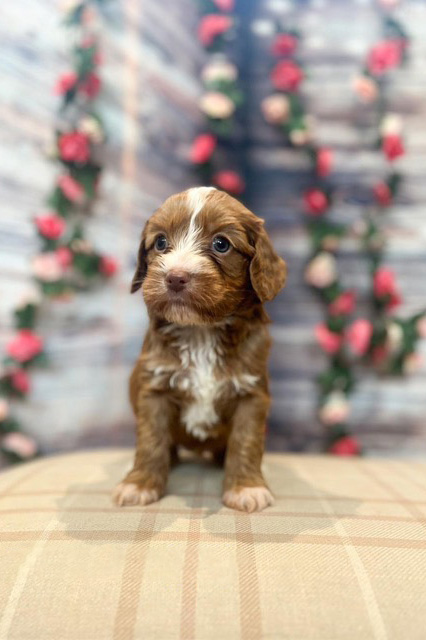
column 184, row 315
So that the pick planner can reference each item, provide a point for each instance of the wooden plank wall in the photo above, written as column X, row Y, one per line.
column 150, row 106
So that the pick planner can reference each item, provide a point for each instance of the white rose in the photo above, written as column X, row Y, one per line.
column 91, row 127
column 219, row 70
column 335, row 409
column 47, row 268
column 321, row 270
column 217, row 105
column 275, row 108
column 412, row 363
column 391, row 124
column 394, row 337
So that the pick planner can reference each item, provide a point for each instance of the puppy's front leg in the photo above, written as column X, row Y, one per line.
column 147, row 480
column 245, row 488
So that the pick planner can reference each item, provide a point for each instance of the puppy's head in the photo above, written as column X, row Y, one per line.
column 203, row 257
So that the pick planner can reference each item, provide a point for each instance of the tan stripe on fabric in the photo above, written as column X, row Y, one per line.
column 223, row 512
column 250, row 609
column 190, row 566
column 367, row 592
column 204, row 537
column 131, row 580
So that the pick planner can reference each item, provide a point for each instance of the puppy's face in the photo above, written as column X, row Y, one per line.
column 202, row 256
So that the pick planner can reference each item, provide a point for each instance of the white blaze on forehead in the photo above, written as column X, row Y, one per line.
column 186, row 253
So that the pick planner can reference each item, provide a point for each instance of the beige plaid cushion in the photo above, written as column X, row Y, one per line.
column 342, row 554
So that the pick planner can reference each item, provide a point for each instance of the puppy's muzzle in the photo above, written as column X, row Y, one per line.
column 177, row 281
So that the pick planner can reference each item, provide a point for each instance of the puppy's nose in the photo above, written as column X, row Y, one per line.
column 177, row 280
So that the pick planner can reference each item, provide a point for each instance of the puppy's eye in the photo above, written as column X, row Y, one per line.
column 221, row 244
column 161, row 243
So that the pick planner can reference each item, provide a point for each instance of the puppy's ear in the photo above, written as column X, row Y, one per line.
column 268, row 272
column 141, row 267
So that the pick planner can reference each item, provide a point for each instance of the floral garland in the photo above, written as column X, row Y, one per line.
column 67, row 262
column 391, row 344
column 285, row 109
column 220, row 100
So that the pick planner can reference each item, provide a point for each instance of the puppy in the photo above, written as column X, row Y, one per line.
column 206, row 266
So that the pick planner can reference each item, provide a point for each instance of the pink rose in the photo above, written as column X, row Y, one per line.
column 229, row 181
column 384, row 56
column 108, row 266
column 343, row 304
column 315, row 201
column 359, row 336
column 64, row 257
column 225, row 5
column 211, row 26
column 365, row 88
column 286, row 76
column 324, row 162
column 382, row 194
column 384, row 286
column 20, row 380
column 71, row 188
column 74, row 147
column 328, row 340
column 412, row 363
column 346, row 446
column 421, row 327
column 19, row 444
column 202, row 148
column 25, row 346
column 392, row 146
column 50, row 226
column 91, row 85
column 284, row 45
column 66, row 81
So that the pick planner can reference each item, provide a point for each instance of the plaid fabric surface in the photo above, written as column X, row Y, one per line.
column 341, row 555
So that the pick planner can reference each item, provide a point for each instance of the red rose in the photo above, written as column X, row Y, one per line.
column 51, row 227
column 359, row 336
column 108, row 266
column 343, row 304
column 324, row 162
column 286, row 76
column 25, row 346
column 379, row 355
column 64, row 256
column 91, row 85
column 71, row 188
column 392, row 146
column 328, row 340
column 382, row 194
column 315, row 201
column 384, row 286
column 202, row 148
column 225, row 5
column 346, row 446
column 66, row 81
column 384, row 56
column 20, row 380
column 74, row 147
column 229, row 181
column 284, row 45
column 211, row 26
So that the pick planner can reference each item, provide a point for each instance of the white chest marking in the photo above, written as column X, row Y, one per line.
column 200, row 355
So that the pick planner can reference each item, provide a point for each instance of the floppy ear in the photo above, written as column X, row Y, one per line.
column 268, row 271
column 141, row 267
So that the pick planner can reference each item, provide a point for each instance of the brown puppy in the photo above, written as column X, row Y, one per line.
column 206, row 266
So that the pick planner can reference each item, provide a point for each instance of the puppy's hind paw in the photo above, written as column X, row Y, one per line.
column 129, row 494
column 248, row 499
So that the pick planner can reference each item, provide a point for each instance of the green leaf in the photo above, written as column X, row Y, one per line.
column 25, row 317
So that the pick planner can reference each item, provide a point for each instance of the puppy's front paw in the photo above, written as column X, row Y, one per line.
column 248, row 498
column 129, row 494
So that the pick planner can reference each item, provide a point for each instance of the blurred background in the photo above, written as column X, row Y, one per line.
column 151, row 72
